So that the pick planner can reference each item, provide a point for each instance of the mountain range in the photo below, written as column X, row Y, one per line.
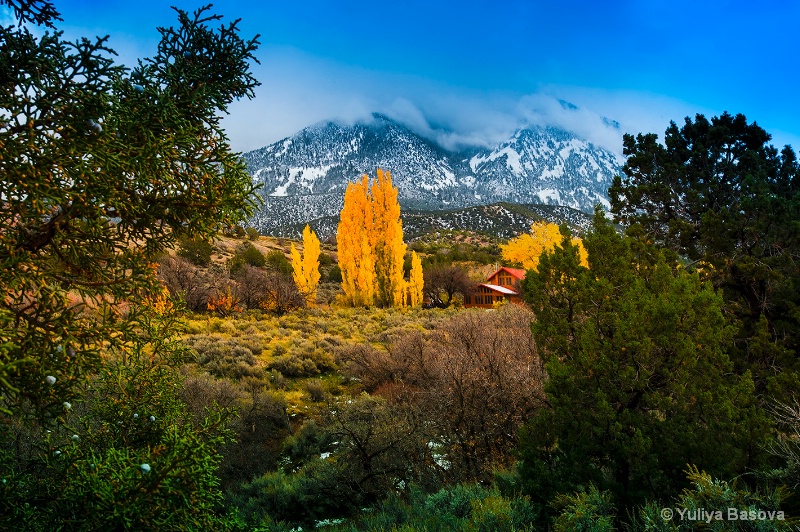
column 303, row 178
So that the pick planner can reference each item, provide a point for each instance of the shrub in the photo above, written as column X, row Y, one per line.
column 252, row 285
column 335, row 274
column 201, row 392
column 316, row 391
column 220, row 325
column 185, row 281
column 224, row 357
column 224, row 303
column 246, row 253
column 293, row 366
column 301, row 498
column 252, row 233
column 456, row 500
column 195, row 250
column 277, row 380
column 277, row 261
column 260, row 428
column 589, row 511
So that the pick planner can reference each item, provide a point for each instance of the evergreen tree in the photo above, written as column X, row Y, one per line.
column 103, row 169
column 718, row 194
column 639, row 380
column 127, row 455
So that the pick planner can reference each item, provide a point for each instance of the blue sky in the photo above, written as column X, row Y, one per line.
column 471, row 72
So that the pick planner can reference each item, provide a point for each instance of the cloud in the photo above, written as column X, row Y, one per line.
column 300, row 90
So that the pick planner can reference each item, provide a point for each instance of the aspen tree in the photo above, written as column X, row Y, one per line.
column 527, row 248
column 356, row 256
column 386, row 237
column 305, row 268
column 415, row 281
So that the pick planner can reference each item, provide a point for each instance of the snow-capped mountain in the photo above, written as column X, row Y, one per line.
column 303, row 177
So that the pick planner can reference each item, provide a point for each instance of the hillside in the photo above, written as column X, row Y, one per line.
column 499, row 220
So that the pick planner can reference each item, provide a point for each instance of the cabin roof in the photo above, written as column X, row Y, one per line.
column 502, row 289
column 515, row 272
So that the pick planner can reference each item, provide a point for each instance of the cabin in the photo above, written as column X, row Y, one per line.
column 502, row 285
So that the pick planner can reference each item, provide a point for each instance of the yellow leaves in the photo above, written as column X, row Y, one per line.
column 305, row 268
column 386, row 238
column 527, row 248
column 415, row 281
column 370, row 242
column 224, row 304
column 160, row 303
column 356, row 259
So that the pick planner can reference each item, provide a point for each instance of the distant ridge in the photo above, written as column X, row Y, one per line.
column 499, row 220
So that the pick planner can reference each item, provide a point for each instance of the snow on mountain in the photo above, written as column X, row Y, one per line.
column 304, row 177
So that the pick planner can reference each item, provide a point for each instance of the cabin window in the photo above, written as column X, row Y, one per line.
column 504, row 279
column 467, row 300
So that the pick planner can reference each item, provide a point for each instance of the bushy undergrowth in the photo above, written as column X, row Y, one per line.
column 226, row 357
column 316, row 446
column 461, row 507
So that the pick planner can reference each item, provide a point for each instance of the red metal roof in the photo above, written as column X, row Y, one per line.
column 515, row 272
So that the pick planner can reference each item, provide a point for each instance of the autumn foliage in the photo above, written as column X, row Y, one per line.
column 415, row 281
column 305, row 268
column 370, row 242
column 527, row 248
column 386, row 239
column 225, row 303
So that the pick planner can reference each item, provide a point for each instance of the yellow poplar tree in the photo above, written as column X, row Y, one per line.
column 305, row 268
column 386, row 238
column 415, row 281
column 356, row 256
column 527, row 248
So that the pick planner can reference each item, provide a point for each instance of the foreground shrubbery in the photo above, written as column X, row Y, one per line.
column 129, row 455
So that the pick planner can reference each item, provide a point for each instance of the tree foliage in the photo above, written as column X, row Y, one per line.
column 198, row 251
column 386, row 239
column 528, row 247
column 127, row 456
column 356, row 256
column 416, row 281
column 474, row 379
column 640, row 382
column 370, row 243
column 247, row 254
column 444, row 281
column 305, row 268
column 718, row 194
column 103, row 167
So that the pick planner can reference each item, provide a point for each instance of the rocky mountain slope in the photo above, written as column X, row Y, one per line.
column 303, row 177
